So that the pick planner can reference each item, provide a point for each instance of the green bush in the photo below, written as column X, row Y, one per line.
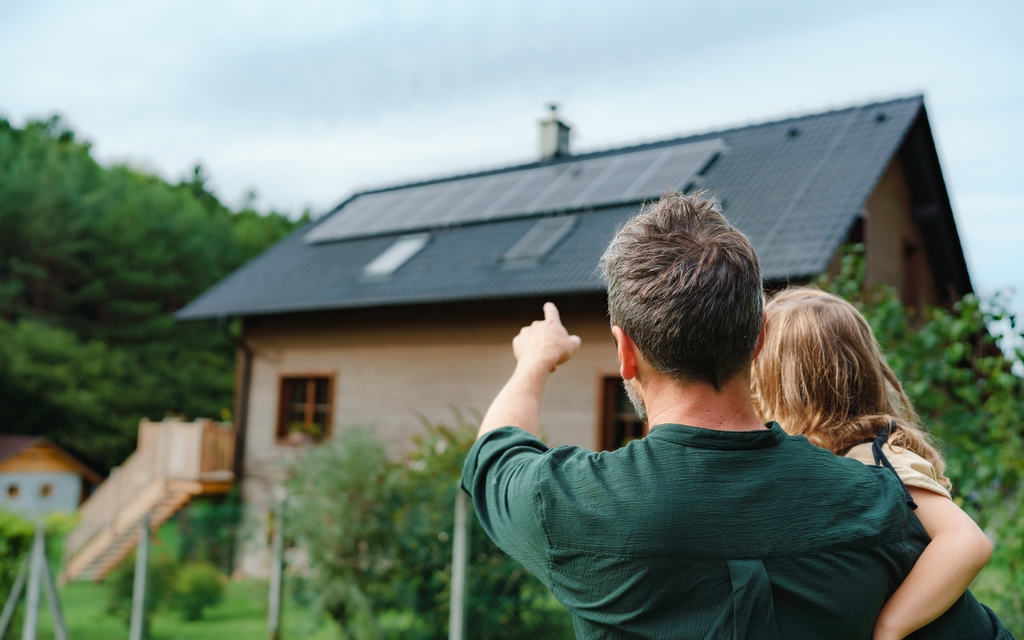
column 161, row 577
column 208, row 529
column 200, row 585
column 16, row 536
column 377, row 534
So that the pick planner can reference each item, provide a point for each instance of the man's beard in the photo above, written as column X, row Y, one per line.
column 633, row 392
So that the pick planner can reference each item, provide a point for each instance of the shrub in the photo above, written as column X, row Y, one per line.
column 161, row 576
column 208, row 529
column 200, row 585
column 377, row 534
column 16, row 535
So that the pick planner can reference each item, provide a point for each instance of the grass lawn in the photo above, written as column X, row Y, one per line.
column 241, row 616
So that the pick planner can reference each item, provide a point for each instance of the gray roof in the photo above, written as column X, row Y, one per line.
column 795, row 187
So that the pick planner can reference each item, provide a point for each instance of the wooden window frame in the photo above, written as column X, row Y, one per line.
column 608, row 384
column 281, row 433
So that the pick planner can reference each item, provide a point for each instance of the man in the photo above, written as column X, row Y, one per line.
column 714, row 525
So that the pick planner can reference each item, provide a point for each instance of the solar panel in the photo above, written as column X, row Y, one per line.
column 607, row 180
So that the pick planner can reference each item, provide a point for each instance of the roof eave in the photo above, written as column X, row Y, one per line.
column 375, row 303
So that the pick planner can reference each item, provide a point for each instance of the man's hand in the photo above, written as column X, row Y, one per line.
column 545, row 342
column 540, row 348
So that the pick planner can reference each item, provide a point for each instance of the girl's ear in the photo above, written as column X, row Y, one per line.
column 627, row 353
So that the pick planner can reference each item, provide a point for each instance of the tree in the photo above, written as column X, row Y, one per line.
column 94, row 261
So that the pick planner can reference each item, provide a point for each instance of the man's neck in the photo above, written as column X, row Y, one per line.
column 700, row 405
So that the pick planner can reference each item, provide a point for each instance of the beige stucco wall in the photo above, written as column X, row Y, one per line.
column 391, row 368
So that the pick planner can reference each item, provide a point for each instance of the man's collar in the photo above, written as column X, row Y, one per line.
column 716, row 439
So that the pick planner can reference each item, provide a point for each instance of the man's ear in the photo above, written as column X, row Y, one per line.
column 760, row 336
column 627, row 353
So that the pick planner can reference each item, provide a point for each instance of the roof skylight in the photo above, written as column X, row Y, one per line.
column 400, row 252
column 538, row 241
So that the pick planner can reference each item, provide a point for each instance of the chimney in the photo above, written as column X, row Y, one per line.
column 554, row 136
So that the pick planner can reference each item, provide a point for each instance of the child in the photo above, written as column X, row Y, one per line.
column 821, row 374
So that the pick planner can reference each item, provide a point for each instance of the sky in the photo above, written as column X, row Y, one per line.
column 304, row 101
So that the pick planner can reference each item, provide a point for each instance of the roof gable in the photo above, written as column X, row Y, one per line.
column 794, row 187
column 13, row 447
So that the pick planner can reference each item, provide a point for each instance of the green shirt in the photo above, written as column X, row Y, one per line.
column 694, row 533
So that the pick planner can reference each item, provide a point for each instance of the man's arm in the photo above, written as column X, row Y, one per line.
column 539, row 349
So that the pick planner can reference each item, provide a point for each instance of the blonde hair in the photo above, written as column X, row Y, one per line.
column 821, row 374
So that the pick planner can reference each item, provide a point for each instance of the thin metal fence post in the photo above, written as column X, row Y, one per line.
column 60, row 630
column 35, row 575
column 12, row 600
column 460, row 557
column 138, row 624
column 276, row 567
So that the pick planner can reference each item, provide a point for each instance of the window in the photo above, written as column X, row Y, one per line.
column 619, row 421
column 46, row 490
column 12, row 491
column 395, row 256
column 305, row 408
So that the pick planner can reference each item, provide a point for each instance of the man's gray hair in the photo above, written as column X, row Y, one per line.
column 686, row 287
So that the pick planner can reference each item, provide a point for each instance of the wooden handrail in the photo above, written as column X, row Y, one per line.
column 167, row 451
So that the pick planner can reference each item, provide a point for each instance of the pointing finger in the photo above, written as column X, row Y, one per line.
column 551, row 313
column 574, row 345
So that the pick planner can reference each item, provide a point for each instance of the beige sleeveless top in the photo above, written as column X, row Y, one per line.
column 912, row 469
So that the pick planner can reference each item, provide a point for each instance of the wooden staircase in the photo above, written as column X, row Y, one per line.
column 174, row 462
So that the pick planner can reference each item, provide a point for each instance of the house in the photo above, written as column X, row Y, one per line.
column 37, row 477
column 401, row 302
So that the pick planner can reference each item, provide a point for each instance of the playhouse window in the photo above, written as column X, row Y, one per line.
column 305, row 408
column 13, row 491
column 619, row 420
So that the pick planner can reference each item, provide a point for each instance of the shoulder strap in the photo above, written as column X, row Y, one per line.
column 879, row 454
